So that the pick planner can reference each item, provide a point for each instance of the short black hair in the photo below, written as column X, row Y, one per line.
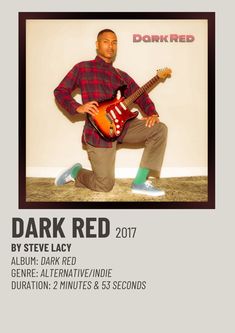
column 105, row 30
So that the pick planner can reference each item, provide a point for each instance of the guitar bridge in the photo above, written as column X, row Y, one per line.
column 109, row 118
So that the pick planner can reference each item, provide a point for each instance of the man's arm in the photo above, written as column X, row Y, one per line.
column 63, row 93
column 144, row 102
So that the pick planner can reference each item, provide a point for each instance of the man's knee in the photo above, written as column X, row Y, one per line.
column 162, row 128
column 105, row 184
column 159, row 130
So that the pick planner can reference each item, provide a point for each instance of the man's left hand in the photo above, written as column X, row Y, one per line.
column 151, row 120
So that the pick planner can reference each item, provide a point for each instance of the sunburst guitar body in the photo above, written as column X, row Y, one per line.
column 113, row 114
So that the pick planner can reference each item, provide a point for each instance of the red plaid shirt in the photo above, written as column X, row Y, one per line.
column 97, row 81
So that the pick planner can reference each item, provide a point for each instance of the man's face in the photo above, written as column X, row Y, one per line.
column 106, row 46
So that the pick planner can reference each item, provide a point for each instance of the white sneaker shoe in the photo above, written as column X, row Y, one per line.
column 65, row 177
column 147, row 188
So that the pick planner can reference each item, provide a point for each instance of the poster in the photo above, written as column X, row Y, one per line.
column 114, row 269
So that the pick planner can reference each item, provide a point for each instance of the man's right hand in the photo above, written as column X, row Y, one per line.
column 90, row 107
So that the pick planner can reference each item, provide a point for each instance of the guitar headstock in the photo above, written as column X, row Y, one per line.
column 164, row 72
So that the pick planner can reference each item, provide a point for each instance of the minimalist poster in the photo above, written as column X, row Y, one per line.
column 178, row 47
column 74, row 259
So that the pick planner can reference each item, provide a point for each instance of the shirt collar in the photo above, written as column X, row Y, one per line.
column 102, row 62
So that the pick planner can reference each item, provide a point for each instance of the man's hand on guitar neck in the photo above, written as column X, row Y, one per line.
column 90, row 107
column 151, row 120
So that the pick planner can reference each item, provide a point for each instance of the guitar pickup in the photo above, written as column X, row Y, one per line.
column 117, row 109
column 123, row 105
column 113, row 114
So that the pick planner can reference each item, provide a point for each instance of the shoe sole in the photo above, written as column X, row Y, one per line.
column 159, row 194
column 65, row 173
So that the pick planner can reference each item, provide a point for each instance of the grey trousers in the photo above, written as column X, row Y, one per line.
column 102, row 160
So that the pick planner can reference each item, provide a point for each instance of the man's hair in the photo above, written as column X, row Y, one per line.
column 103, row 31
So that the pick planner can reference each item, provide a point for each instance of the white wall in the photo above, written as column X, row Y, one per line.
column 54, row 46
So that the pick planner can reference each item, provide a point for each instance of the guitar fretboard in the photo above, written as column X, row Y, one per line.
column 129, row 100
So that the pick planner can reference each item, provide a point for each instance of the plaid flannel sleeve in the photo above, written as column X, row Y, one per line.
column 144, row 102
column 64, row 90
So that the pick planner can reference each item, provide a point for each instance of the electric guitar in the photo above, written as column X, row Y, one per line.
column 114, row 113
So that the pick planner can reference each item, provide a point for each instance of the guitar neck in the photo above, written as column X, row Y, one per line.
column 129, row 100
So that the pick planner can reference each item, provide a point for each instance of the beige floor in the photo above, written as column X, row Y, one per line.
column 186, row 189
